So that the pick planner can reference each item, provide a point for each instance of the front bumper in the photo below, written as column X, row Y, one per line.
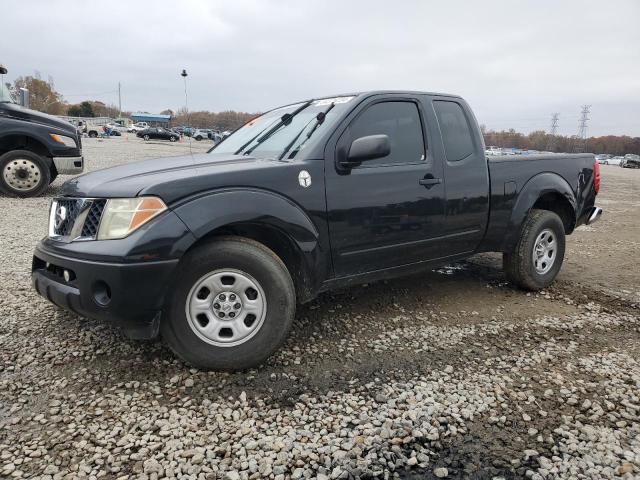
column 129, row 295
column 68, row 165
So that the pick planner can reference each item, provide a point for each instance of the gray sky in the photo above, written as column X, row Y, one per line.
column 516, row 62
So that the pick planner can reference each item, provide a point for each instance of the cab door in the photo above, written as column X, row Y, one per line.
column 389, row 211
column 465, row 169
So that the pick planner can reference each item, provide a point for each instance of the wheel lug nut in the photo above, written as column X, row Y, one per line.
column 232, row 314
column 236, row 306
column 216, row 306
column 232, row 297
column 221, row 314
column 222, row 297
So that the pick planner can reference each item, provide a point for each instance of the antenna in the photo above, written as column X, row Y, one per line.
column 580, row 140
column 553, row 131
column 184, row 75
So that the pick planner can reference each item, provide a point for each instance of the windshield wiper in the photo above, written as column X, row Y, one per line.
column 285, row 120
column 319, row 121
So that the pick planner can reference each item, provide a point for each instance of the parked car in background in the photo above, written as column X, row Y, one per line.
column 630, row 161
column 187, row 131
column 215, row 136
column 117, row 127
column 136, row 127
column 603, row 159
column 158, row 133
column 491, row 150
column 200, row 134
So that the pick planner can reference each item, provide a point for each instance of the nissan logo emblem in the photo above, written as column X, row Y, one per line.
column 60, row 216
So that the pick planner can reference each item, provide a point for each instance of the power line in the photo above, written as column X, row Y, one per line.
column 553, row 131
column 580, row 140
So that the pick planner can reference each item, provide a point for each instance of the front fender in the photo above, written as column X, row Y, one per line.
column 536, row 187
column 206, row 213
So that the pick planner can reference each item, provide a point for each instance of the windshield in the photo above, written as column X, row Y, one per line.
column 5, row 94
column 291, row 136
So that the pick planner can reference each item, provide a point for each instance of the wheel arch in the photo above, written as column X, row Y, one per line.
column 545, row 191
column 21, row 141
column 267, row 218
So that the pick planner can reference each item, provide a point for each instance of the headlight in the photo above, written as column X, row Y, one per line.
column 63, row 140
column 121, row 216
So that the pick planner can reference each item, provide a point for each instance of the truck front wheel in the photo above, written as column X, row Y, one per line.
column 232, row 305
column 24, row 173
column 539, row 253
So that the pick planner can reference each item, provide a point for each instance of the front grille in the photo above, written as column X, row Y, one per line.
column 92, row 222
column 65, row 216
column 75, row 218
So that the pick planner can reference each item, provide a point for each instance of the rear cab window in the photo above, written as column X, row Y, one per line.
column 455, row 130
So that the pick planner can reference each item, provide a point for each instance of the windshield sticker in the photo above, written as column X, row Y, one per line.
column 329, row 101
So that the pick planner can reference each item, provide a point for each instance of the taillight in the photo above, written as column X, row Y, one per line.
column 596, row 176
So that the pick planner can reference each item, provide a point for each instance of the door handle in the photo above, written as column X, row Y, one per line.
column 430, row 182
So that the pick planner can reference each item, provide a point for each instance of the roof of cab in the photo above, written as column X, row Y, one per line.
column 386, row 92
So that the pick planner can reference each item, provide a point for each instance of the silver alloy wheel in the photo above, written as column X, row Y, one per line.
column 226, row 307
column 544, row 251
column 22, row 174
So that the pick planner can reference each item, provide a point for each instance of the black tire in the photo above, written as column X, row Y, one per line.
column 37, row 171
column 92, row 134
column 245, row 256
column 519, row 265
column 198, row 138
column 146, row 138
column 172, row 139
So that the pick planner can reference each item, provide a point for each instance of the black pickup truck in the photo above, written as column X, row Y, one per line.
column 213, row 251
column 34, row 148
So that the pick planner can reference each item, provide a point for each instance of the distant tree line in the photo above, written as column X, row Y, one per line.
column 227, row 120
column 541, row 140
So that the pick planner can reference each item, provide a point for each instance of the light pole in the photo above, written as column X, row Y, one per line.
column 186, row 105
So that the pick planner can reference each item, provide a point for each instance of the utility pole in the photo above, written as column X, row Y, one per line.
column 580, row 140
column 551, row 144
column 119, row 101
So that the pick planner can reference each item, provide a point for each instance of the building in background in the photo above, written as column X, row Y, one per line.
column 154, row 120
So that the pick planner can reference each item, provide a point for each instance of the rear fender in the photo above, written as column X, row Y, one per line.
column 534, row 189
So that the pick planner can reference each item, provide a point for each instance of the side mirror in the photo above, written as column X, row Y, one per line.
column 368, row 148
column 3, row 70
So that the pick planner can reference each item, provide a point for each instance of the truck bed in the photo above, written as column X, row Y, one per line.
column 511, row 174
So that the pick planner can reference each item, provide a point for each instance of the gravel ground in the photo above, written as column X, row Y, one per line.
column 448, row 374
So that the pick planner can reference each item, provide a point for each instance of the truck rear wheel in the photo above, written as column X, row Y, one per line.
column 539, row 253
column 232, row 305
column 24, row 173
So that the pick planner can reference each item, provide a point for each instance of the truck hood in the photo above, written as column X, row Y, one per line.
column 170, row 178
column 21, row 113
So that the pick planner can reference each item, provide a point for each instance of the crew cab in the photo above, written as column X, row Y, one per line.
column 34, row 148
column 213, row 251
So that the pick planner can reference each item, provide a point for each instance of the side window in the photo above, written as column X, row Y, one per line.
column 400, row 121
column 455, row 130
